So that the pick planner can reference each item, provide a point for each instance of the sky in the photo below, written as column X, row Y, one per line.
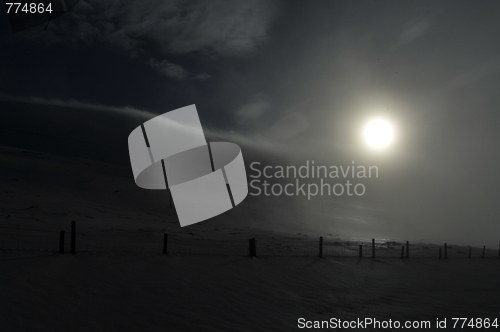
column 289, row 81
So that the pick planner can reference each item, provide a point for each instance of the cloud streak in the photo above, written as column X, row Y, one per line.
column 253, row 109
column 175, row 71
column 258, row 141
column 125, row 110
column 169, row 69
column 412, row 31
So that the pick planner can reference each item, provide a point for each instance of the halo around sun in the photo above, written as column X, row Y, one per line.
column 378, row 133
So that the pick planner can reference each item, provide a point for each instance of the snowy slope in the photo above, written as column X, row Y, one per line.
column 134, row 292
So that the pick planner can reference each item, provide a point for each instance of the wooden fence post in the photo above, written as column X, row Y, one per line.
column 407, row 249
column 61, row 242
column 360, row 251
column 484, row 252
column 252, row 248
column 445, row 251
column 499, row 251
column 320, row 246
column 402, row 251
column 470, row 252
column 73, row 237
column 373, row 248
column 439, row 253
column 165, row 242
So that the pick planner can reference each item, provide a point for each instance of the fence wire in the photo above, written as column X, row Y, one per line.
column 38, row 240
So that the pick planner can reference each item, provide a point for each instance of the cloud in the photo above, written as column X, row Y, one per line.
column 214, row 27
column 125, row 110
column 412, row 31
column 203, row 76
column 204, row 28
column 169, row 69
column 289, row 126
column 481, row 71
column 175, row 71
column 252, row 110
column 256, row 140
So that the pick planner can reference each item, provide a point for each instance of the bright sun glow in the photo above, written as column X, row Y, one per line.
column 378, row 133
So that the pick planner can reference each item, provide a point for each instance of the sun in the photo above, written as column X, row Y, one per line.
column 378, row 133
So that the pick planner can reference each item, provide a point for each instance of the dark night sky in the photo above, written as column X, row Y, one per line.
column 298, row 77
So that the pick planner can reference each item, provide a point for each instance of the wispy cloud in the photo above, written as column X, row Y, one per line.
column 469, row 76
column 253, row 109
column 203, row 28
column 258, row 141
column 214, row 27
column 411, row 31
column 176, row 71
column 289, row 126
column 202, row 76
column 125, row 110
column 169, row 69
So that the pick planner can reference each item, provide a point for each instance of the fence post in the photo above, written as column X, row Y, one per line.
column 61, row 242
column 439, row 253
column 73, row 237
column 470, row 252
column 165, row 242
column 445, row 251
column 484, row 252
column 360, row 251
column 320, row 246
column 499, row 251
column 402, row 251
column 407, row 249
column 373, row 248
column 252, row 248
